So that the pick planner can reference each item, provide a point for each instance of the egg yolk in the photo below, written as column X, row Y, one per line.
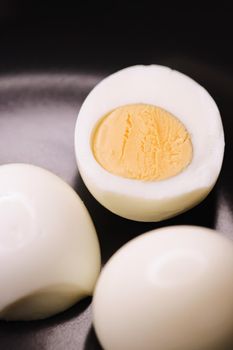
column 142, row 142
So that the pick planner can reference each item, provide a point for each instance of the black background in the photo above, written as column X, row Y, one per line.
column 48, row 52
column 95, row 34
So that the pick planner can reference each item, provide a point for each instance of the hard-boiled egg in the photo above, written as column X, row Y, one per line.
column 169, row 289
column 149, row 143
column 49, row 252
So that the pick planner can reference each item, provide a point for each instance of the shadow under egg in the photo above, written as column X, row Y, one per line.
column 114, row 231
column 35, row 334
column 92, row 342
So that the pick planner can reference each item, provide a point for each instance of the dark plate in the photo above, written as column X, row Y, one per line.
column 37, row 118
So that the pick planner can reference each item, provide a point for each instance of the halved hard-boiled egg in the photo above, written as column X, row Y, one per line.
column 49, row 251
column 149, row 143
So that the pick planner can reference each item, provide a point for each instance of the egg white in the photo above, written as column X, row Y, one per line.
column 49, row 251
column 191, row 104
column 167, row 289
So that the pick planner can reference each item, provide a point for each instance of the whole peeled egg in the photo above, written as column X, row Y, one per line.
column 149, row 143
column 168, row 289
column 49, row 251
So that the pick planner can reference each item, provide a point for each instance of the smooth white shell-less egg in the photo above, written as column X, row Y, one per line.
column 49, row 251
column 168, row 289
column 185, row 99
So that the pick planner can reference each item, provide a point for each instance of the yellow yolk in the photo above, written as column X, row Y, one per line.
column 142, row 142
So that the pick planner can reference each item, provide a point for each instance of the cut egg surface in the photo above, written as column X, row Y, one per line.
column 168, row 289
column 149, row 142
column 49, row 251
